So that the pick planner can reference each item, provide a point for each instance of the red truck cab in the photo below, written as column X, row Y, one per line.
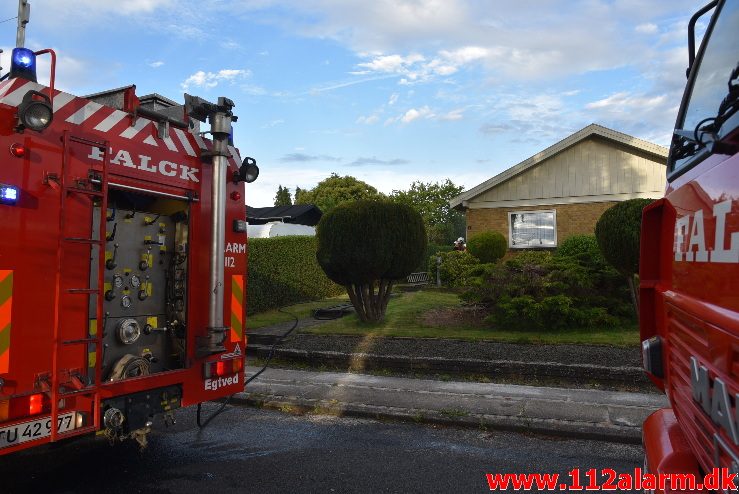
column 689, row 270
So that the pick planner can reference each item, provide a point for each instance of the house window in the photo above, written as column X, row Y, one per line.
column 532, row 229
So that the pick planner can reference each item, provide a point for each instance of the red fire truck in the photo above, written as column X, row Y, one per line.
column 122, row 257
column 689, row 314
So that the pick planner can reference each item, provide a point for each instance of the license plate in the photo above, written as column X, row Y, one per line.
column 13, row 435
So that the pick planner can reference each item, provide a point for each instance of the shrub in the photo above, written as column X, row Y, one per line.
column 538, row 290
column 283, row 271
column 530, row 257
column 367, row 245
column 432, row 250
column 454, row 268
column 584, row 248
column 487, row 246
column 618, row 231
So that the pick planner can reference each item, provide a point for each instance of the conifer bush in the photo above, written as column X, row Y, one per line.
column 366, row 246
column 488, row 246
column 618, row 232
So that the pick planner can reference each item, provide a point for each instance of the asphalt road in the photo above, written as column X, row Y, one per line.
column 259, row 451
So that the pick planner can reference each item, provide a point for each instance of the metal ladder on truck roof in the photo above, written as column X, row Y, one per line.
column 95, row 188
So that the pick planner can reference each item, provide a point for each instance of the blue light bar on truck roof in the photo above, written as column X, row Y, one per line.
column 23, row 64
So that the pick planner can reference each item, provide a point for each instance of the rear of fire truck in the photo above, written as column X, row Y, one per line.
column 122, row 258
column 689, row 314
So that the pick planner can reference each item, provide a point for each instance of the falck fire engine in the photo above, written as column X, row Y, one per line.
column 689, row 269
column 122, row 257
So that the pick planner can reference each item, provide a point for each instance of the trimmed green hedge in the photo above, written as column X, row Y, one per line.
column 488, row 246
column 618, row 232
column 284, row 271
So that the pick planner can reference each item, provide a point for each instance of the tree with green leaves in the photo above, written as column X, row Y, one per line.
column 336, row 190
column 431, row 200
column 283, row 197
column 366, row 246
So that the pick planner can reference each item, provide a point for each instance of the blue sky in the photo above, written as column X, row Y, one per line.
column 387, row 91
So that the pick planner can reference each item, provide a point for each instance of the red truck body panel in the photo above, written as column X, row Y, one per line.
column 689, row 268
column 29, row 261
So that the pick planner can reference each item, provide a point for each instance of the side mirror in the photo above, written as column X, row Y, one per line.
column 248, row 172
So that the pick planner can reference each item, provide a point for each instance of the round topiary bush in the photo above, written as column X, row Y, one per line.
column 367, row 245
column 618, row 231
column 487, row 246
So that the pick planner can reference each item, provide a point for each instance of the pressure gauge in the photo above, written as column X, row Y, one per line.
column 126, row 302
column 135, row 281
column 128, row 331
column 118, row 281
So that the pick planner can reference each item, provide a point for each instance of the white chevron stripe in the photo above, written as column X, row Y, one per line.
column 110, row 121
column 170, row 144
column 235, row 155
column 84, row 113
column 185, row 142
column 61, row 100
column 131, row 132
column 5, row 86
column 151, row 141
column 15, row 98
column 200, row 141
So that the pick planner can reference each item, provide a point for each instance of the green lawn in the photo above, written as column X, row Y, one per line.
column 404, row 313
column 302, row 311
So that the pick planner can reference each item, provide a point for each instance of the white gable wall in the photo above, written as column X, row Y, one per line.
column 593, row 170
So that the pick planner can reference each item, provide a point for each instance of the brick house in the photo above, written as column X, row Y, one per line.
column 564, row 189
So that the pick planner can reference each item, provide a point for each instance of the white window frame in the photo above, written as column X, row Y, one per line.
column 510, row 229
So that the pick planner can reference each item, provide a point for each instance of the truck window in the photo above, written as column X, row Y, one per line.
column 710, row 84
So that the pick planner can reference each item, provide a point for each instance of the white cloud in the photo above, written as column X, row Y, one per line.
column 230, row 45
column 254, row 90
column 647, row 28
column 338, row 85
column 415, row 68
column 415, row 114
column 156, row 64
column 273, row 123
column 522, row 40
column 393, row 99
column 58, row 17
column 453, row 115
column 646, row 115
column 212, row 79
column 368, row 120
column 465, row 55
column 623, row 101
column 392, row 63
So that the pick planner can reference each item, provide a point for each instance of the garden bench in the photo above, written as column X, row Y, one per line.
column 421, row 278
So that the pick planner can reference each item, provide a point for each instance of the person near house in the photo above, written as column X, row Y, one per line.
column 460, row 245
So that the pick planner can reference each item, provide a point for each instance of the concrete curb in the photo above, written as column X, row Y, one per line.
column 502, row 368
column 593, row 414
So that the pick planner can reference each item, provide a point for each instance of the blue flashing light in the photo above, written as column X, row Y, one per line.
column 23, row 57
column 23, row 64
column 8, row 194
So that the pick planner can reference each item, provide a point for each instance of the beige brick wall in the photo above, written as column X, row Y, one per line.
column 571, row 218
